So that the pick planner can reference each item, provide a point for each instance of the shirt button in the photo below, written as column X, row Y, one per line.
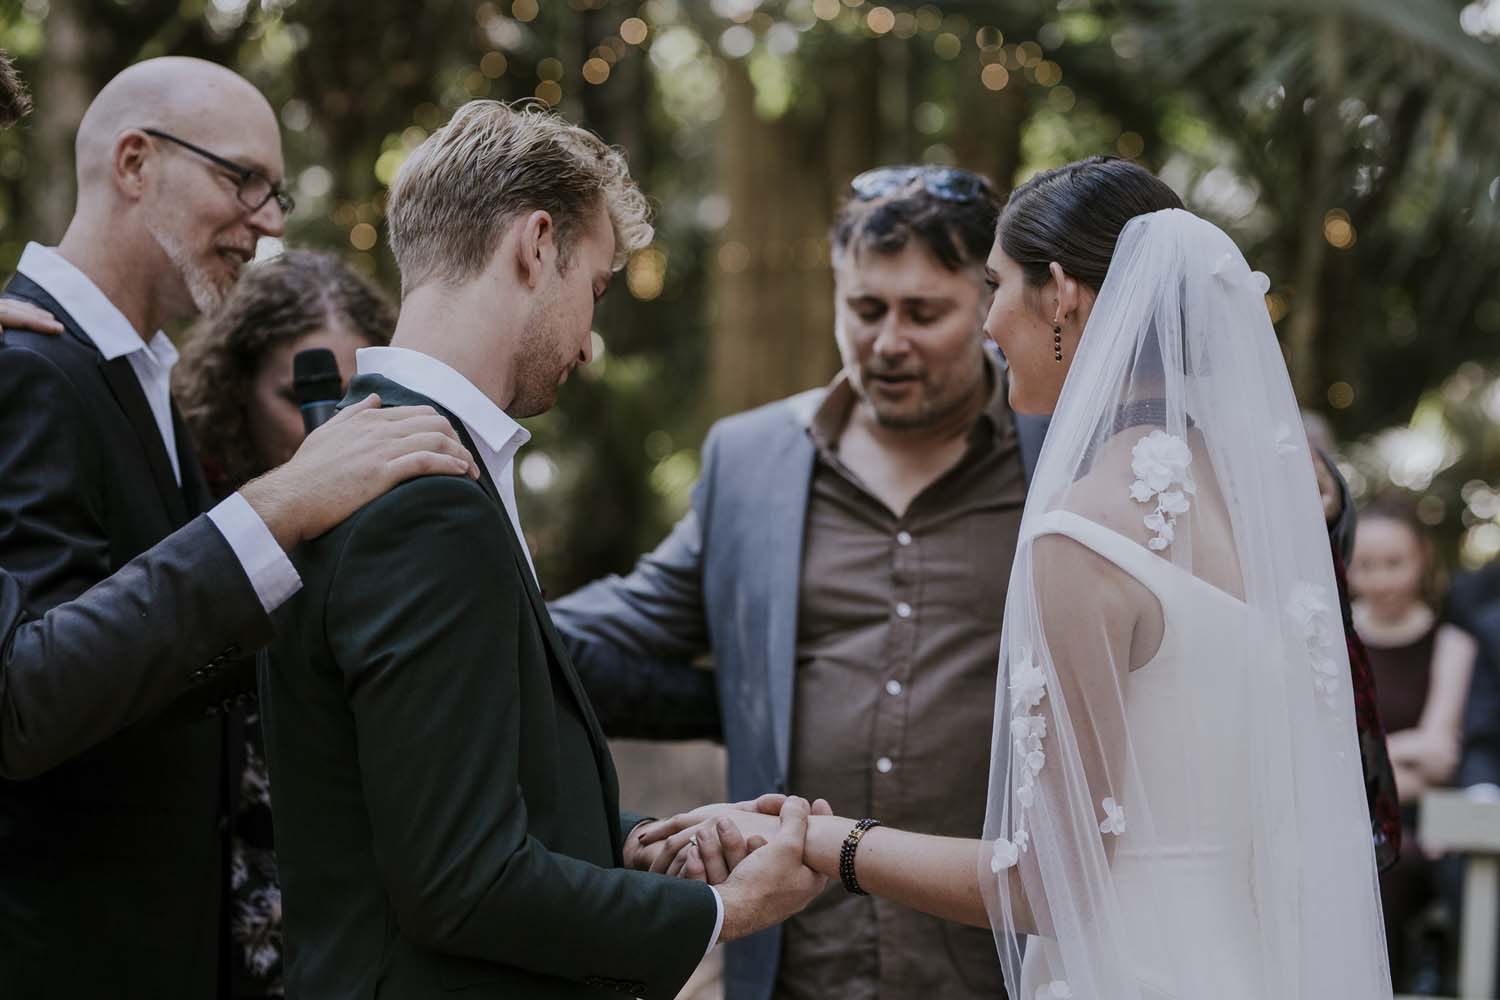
column 884, row 765
column 903, row 538
column 903, row 610
column 893, row 688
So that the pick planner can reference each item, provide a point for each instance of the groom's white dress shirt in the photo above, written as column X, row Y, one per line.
column 270, row 571
column 495, row 434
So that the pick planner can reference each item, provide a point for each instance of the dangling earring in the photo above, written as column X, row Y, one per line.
column 1057, row 344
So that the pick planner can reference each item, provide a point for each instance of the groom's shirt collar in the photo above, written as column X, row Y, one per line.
column 497, row 437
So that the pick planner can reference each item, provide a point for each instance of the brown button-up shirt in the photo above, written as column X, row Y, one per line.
column 897, row 645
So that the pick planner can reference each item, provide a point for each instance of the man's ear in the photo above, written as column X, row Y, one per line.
column 536, row 247
column 131, row 161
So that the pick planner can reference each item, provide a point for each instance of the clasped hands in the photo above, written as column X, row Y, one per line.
column 753, row 852
column 710, row 842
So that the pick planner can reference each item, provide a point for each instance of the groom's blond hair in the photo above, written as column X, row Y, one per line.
column 459, row 190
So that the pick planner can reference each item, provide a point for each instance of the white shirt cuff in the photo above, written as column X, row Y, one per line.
column 713, row 938
column 271, row 573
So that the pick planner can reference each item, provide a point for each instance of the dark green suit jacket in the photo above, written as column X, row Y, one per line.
column 447, row 812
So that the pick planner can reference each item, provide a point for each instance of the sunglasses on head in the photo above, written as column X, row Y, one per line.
column 944, row 183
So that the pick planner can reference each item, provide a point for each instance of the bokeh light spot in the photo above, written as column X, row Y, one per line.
column 362, row 236
column 633, row 30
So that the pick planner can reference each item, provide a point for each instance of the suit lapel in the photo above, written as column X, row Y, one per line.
column 785, row 518
column 195, row 491
column 127, row 390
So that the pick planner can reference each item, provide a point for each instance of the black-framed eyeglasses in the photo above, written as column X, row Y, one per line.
column 945, row 183
column 255, row 188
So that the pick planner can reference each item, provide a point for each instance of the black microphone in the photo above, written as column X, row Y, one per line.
column 318, row 387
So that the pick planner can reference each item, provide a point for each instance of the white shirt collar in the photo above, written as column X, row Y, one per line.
column 442, row 384
column 101, row 321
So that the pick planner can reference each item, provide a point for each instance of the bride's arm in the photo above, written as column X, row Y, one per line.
column 936, row 875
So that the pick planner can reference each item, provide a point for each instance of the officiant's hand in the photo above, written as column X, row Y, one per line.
column 18, row 315
column 357, row 456
column 772, row 883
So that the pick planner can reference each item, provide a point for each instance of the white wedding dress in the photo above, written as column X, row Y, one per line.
column 1192, row 775
column 1177, row 809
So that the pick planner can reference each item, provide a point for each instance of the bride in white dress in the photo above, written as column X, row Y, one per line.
column 1176, row 802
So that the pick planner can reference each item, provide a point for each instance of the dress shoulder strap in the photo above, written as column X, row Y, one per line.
column 1152, row 571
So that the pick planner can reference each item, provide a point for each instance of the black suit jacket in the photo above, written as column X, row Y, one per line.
column 110, row 863
column 447, row 813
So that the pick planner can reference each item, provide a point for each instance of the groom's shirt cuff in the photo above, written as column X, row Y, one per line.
column 713, row 938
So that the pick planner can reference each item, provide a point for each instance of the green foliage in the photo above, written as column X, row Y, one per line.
column 1282, row 120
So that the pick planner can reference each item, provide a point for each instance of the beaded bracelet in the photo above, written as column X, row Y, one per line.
column 846, row 855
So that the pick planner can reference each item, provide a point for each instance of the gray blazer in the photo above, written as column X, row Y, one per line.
column 724, row 583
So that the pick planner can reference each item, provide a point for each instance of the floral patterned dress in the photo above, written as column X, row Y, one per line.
column 254, row 891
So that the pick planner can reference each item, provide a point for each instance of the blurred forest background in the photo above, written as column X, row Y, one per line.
column 1351, row 146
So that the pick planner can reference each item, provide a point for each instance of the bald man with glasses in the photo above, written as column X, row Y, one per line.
column 121, row 591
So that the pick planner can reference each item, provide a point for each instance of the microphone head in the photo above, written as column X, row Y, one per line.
column 315, row 377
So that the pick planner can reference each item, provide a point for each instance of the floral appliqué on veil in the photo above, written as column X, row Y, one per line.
column 1160, row 463
column 1028, row 686
column 1311, row 609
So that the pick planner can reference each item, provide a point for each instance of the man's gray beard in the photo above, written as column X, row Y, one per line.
column 206, row 294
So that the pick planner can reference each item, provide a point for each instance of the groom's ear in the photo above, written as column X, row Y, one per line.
column 536, row 247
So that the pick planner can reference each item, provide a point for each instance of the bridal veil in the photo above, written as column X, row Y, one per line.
column 1176, row 807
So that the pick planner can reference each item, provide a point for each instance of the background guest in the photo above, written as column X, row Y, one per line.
column 234, row 384
column 1422, row 668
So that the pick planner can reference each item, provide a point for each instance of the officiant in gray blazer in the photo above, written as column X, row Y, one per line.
column 844, row 565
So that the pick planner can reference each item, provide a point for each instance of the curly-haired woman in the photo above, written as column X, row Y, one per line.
column 234, row 386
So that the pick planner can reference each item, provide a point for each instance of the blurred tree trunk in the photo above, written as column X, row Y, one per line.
column 1312, row 245
column 773, row 334
column 63, row 92
column 987, row 134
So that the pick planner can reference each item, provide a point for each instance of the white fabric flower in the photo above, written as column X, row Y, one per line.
column 1160, row 459
column 1286, row 441
column 1022, row 839
column 1308, row 603
column 1160, row 462
column 1232, row 269
column 1006, row 854
column 1026, row 796
column 1028, row 685
column 1026, row 728
column 1311, row 608
column 1035, row 761
column 1114, row 817
column 1173, row 502
column 1056, row 990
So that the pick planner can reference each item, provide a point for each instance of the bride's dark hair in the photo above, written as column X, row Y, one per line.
column 1074, row 214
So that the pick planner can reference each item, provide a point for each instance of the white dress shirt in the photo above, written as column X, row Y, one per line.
column 495, row 434
column 270, row 571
